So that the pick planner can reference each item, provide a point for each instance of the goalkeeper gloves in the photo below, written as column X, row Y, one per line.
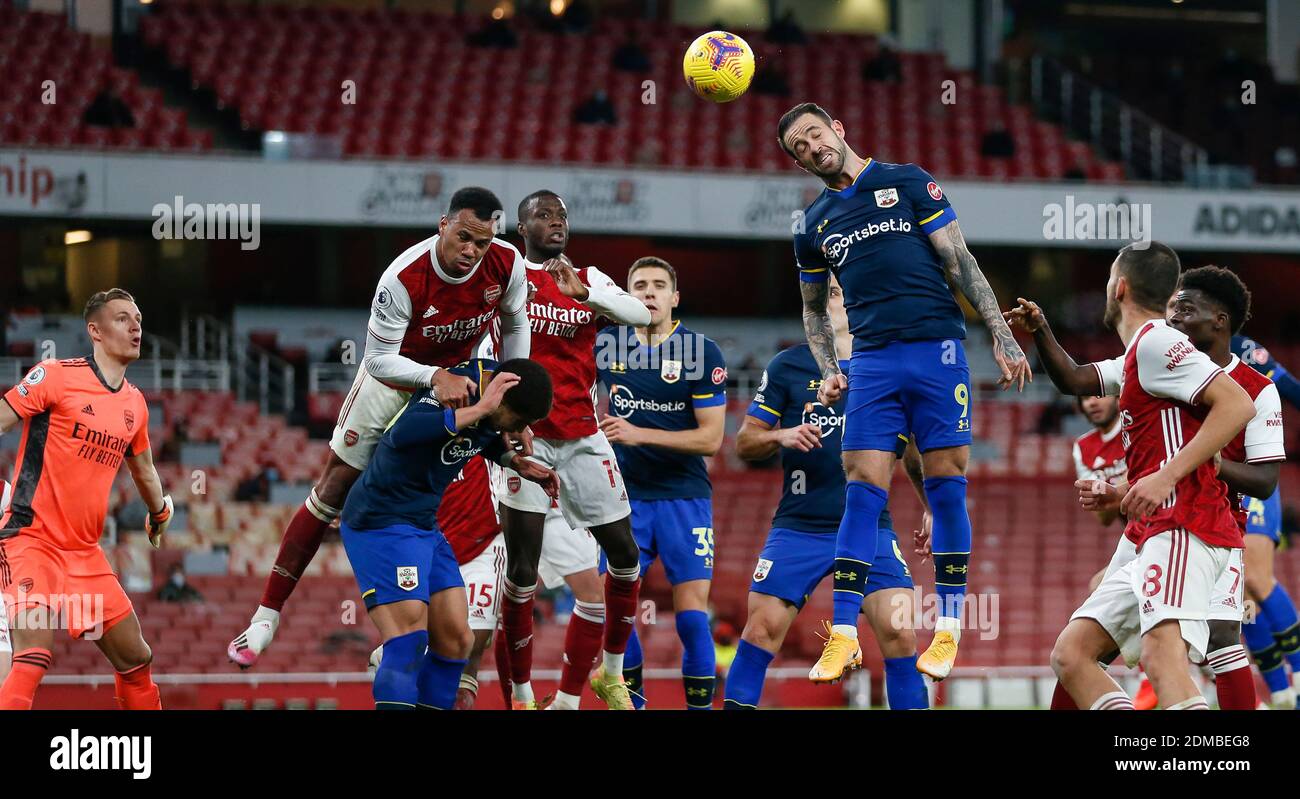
column 158, row 522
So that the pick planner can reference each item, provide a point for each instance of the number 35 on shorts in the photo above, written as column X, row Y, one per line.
column 962, row 395
column 704, row 544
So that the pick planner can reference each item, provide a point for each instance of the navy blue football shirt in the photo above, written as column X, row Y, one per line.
column 874, row 236
column 660, row 387
column 1258, row 358
column 418, row 456
column 812, row 495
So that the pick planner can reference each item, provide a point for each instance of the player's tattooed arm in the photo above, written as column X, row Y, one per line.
column 964, row 274
column 821, row 339
column 1068, row 376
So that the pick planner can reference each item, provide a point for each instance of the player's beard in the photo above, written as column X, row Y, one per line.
column 1111, row 317
column 836, row 165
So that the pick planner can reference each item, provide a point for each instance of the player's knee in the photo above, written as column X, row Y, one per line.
column 333, row 486
column 1067, row 653
column 764, row 629
column 623, row 553
column 520, row 572
column 896, row 642
column 1223, row 634
column 1259, row 586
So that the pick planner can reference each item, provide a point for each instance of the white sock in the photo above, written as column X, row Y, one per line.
column 1195, row 703
column 1282, row 700
column 1115, row 700
column 950, row 625
column 613, row 663
column 846, row 630
column 522, row 691
column 564, row 701
column 263, row 613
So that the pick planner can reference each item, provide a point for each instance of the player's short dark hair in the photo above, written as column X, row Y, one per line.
column 649, row 261
column 101, row 298
column 481, row 201
column 537, row 195
column 788, row 118
column 1151, row 269
column 1223, row 288
column 531, row 397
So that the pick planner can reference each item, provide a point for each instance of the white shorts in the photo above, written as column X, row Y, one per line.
column 1125, row 551
column 369, row 407
column 1172, row 577
column 1229, row 600
column 6, row 645
column 483, row 576
column 591, row 486
column 565, row 551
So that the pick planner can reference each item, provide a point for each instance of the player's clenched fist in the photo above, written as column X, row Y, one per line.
column 620, row 431
column 832, row 388
column 1099, row 495
column 1026, row 315
column 566, row 279
column 452, row 390
column 805, row 437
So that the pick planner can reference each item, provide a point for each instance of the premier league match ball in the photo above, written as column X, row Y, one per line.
column 719, row 66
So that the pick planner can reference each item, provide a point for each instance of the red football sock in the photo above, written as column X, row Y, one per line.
column 19, row 689
column 1233, row 680
column 136, row 690
column 301, row 540
column 582, row 642
column 620, row 609
column 502, row 654
column 1061, row 699
column 517, row 622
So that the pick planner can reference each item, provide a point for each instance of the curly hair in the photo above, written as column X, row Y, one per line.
column 1223, row 288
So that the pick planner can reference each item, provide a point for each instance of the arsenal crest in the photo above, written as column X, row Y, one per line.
column 408, row 577
column 670, row 371
column 350, row 438
column 492, row 293
column 513, row 484
column 129, row 418
column 760, row 571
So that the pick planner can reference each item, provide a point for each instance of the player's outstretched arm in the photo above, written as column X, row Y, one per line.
column 758, row 441
column 964, row 274
column 821, row 339
column 1251, row 479
column 1068, row 376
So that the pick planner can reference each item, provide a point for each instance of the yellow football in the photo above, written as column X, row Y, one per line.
column 719, row 66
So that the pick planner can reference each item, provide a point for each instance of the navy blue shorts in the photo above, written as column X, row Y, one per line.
column 1264, row 516
column 917, row 387
column 677, row 531
column 792, row 563
column 401, row 562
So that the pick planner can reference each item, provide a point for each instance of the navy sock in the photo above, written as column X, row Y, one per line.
column 397, row 685
column 1278, row 609
column 439, row 681
column 950, row 542
column 632, row 662
column 745, row 677
column 903, row 684
column 699, row 660
column 1264, row 649
column 855, row 547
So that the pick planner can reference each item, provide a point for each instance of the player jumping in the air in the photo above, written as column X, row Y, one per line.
column 1179, row 410
column 667, row 408
column 891, row 237
column 81, row 419
column 566, row 307
column 1274, row 634
column 404, row 567
column 1209, row 305
column 786, row 416
column 432, row 306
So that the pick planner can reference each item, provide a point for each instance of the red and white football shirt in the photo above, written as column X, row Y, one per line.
column 467, row 515
column 429, row 317
column 1162, row 381
column 1099, row 454
column 1261, row 441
